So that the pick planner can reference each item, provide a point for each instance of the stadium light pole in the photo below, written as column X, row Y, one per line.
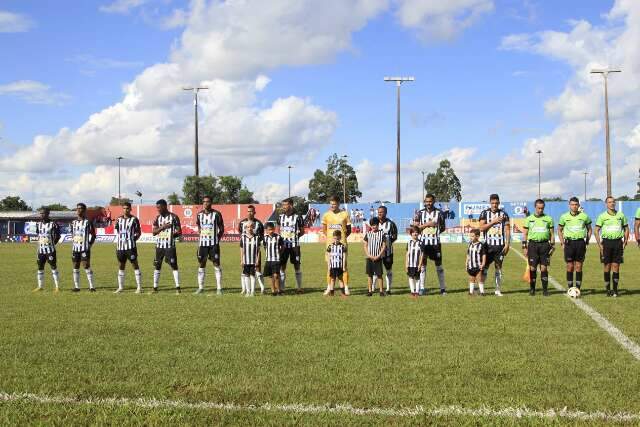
column 119, row 158
column 399, row 81
column 585, row 173
column 344, row 181
column 195, row 91
column 423, row 172
column 289, row 167
column 539, row 153
column 605, row 75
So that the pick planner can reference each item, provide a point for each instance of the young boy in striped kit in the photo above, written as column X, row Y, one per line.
column 476, row 260
column 336, row 257
column 413, row 261
column 127, row 234
column 84, row 234
column 374, row 247
column 48, row 236
column 250, row 258
column 273, row 247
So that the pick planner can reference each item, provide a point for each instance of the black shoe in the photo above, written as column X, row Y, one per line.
column 332, row 293
column 75, row 290
column 609, row 293
column 545, row 293
column 382, row 293
column 389, row 292
column 92, row 289
column 532, row 292
column 178, row 290
column 369, row 294
column 615, row 294
column 155, row 290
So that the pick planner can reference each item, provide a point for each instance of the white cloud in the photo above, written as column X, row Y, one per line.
column 178, row 18
column 90, row 63
column 33, row 92
column 14, row 22
column 122, row 6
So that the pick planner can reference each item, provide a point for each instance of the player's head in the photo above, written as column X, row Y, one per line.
column 81, row 210
column 206, row 203
column 334, row 203
column 574, row 204
column 414, row 232
column 287, row 205
column 44, row 213
column 269, row 227
column 429, row 200
column 474, row 234
column 539, row 205
column 251, row 211
column 126, row 208
column 494, row 202
column 611, row 203
column 161, row 206
column 337, row 235
column 249, row 228
column 374, row 222
column 382, row 212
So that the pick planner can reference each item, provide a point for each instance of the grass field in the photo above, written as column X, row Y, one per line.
column 390, row 353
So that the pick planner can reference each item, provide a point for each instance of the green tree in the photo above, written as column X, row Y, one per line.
column 173, row 199
column 553, row 199
column 118, row 202
column 14, row 203
column 338, row 177
column 444, row 184
column 222, row 190
column 637, row 196
column 55, row 207
column 624, row 198
column 233, row 191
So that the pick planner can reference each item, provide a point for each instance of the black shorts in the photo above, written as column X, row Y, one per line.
column 292, row 255
column 612, row 251
column 374, row 268
column 413, row 273
column 494, row 254
column 51, row 258
column 574, row 250
column 168, row 255
column 248, row 270
column 473, row 271
column 432, row 252
column 335, row 273
column 209, row 252
column 271, row 268
column 388, row 262
column 127, row 255
column 81, row 256
column 538, row 253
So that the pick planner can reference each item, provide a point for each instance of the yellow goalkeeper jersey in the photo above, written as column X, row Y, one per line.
column 336, row 221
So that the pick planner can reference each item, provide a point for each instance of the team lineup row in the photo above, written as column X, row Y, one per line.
column 281, row 243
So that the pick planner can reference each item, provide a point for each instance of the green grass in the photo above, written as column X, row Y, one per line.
column 370, row 352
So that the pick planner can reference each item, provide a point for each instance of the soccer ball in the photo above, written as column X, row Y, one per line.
column 573, row 292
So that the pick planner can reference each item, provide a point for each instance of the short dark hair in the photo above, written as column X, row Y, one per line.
column 81, row 205
column 430, row 196
column 161, row 202
column 374, row 221
column 475, row 231
column 574, row 199
column 127, row 204
column 383, row 207
column 539, row 202
column 414, row 228
column 288, row 200
column 206, row 196
column 251, row 207
column 334, row 199
column 45, row 209
column 494, row 196
column 609, row 197
column 269, row 225
column 337, row 233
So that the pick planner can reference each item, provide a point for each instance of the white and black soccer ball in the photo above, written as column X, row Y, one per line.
column 573, row 292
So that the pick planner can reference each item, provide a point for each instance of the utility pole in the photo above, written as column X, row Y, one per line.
column 585, row 173
column 344, row 181
column 399, row 81
column 290, row 167
column 195, row 91
column 423, row 172
column 119, row 158
column 539, row 153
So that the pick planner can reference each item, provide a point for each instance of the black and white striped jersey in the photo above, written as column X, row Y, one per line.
column 375, row 240
column 495, row 236
column 250, row 249
column 430, row 235
column 48, row 234
column 166, row 238
column 273, row 246
column 391, row 232
column 336, row 253
column 83, row 234
column 414, row 250
column 291, row 227
column 211, row 227
column 258, row 227
column 127, row 229
column 475, row 251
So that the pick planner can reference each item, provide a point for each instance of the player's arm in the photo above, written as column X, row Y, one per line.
column 156, row 228
column 326, row 257
column 344, row 259
column 198, row 223
column 259, row 257
column 589, row 232
column 552, row 237
column 482, row 222
column 241, row 253
column 383, row 249
column 626, row 234
column 637, row 231
column 484, row 260
column 92, row 233
column 56, row 233
column 561, row 233
column 507, row 234
column 300, row 226
column 366, row 248
column 137, row 230
column 393, row 232
column 525, row 235
column 324, row 225
column 176, row 223
column 441, row 222
column 406, row 259
column 220, row 225
column 596, row 232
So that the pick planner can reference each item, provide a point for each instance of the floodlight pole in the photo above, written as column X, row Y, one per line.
column 423, row 172
column 399, row 81
column 195, row 91
column 585, row 173
column 344, row 181
column 539, row 153
column 289, row 167
column 119, row 158
column 605, row 75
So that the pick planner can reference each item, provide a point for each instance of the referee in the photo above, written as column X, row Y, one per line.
column 574, row 232
column 537, row 244
column 612, row 235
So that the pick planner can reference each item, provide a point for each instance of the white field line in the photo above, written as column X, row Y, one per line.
column 299, row 408
column 602, row 321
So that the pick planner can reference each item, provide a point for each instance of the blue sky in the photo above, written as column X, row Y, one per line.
column 472, row 92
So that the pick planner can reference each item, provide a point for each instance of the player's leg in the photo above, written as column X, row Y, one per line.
column 369, row 272
column 75, row 262
column 201, row 255
column 569, row 259
column 244, row 280
column 214, row 256
column 136, row 270
column 52, row 259
column 296, row 267
column 440, row 270
column 388, row 265
column 423, row 272
column 378, row 276
column 533, row 260
column 252, row 280
column 497, row 264
column 121, row 256
column 545, row 248
column 480, row 282
column 259, row 276
column 86, row 260
column 472, row 282
column 41, row 261
column 615, row 265
column 286, row 256
column 157, row 267
column 171, row 257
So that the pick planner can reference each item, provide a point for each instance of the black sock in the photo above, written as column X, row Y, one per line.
column 607, row 279
column 544, row 278
column 616, row 279
column 569, row 279
column 532, row 279
column 578, row 279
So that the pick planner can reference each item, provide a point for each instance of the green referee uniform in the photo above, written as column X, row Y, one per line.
column 575, row 229
column 612, row 228
column 538, row 249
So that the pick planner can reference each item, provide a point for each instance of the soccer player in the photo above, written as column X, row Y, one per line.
column 538, row 245
column 249, row 259
column 430, row 221
column 290, row 228
column 374, row 249
column 336, row 257
column 211, row 228
column 273, row 248
column 612, row 235
column 84, row 235
column 258, row 230
column 413, row 260
column 337, row 219
column 166, row 228
column 128, row 232
column 391, row 232
column 494, row 223
column 574, row 232
column 476, row 261
column 48, row 236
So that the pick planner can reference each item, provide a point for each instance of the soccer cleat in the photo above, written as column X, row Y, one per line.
column 615, row 294
column 443, row 292
column 609, row 293
column 369, row 294
column 155, row 289
column 92, row 289
column 388, row 292
column 326, row 292
column 178, row 290
column 545, row 293
column 331, row 293
column 482, row 294
column 346, row 291
column 382, row 293
column 138, row 291
column 199, row 291
column 532, row 292
column 498, row 293
column 75, row 290
column 56, row 290
column 118, row 291
column 299, row 291
column 422, row 292
column 38, row 289
column 219, row 292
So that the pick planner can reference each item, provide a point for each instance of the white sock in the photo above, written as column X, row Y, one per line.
column 201, row 275
column 423, row 274
column 218, row 272
column 259, row 279
column 471, row 287
column 481, row 287
column 56, row 277
column 120, row 279
column 76, row 278
column 299, row 279
column 282, row 279
column 412, row 285
column 245, row 285
column 440, row 270
column 89, row 274
column 389, row 279
column 41, row 278
column 156, row 278
column 138, row 275
column 252, row 281
column 176, row 278
column 498, row 280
